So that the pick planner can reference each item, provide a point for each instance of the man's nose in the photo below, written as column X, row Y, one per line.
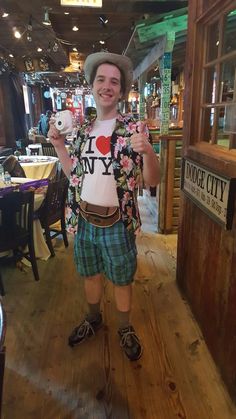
column 107, row 85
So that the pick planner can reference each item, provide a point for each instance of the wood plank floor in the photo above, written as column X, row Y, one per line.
column 45, row 379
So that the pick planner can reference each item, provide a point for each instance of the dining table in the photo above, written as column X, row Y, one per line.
column 39, row 167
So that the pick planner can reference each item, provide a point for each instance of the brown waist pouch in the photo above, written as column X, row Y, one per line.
column 98, row 215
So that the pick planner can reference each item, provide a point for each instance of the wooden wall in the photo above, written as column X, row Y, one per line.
column 206, row 260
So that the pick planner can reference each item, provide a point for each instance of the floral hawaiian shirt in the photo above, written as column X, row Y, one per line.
column 127, row 167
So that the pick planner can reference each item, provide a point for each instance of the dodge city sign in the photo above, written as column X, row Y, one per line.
column 212, row 192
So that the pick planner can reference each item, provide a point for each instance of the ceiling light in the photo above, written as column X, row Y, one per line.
column 102, row 42
column 17, row 34
column 5, row 14
column 39, row 49
column 11, row 55
column 103, row 19
column 46, row 21
column 66, row 13
column 75, row 28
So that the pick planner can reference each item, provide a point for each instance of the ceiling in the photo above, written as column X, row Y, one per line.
column 57, row 41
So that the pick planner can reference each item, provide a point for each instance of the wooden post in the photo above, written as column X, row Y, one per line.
column 165, row 63
column 142, row 106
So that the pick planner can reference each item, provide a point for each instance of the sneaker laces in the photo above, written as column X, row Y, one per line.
column 84, row 329
column 128, row 337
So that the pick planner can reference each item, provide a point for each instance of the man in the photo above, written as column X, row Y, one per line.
column 109, row 156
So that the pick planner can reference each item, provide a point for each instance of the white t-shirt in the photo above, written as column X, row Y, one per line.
column 99, row 186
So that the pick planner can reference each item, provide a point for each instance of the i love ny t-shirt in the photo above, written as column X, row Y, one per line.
column 99, row 186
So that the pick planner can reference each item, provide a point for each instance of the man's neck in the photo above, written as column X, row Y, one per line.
column 109, row 114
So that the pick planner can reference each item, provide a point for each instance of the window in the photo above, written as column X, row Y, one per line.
column 218, row 97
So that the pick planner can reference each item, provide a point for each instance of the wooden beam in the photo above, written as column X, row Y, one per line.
column 149, row 32
column 156, row 52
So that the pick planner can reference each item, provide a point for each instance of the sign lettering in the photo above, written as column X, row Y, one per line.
column 213, row 193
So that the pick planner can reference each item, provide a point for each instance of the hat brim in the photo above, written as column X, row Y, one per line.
column 121, row 61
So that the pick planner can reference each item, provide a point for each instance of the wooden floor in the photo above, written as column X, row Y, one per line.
column 45, row 379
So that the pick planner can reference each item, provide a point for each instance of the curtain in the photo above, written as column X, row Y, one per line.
column 17, row 105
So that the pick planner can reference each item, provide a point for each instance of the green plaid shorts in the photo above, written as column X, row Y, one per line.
column 110, row 250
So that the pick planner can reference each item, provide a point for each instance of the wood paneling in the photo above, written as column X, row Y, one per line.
column 206, row 252
column 170, row 163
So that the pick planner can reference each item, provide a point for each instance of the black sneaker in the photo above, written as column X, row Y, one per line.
column 85, row 330
column 130, row 343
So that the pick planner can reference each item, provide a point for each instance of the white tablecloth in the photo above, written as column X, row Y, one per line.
column 39, row 167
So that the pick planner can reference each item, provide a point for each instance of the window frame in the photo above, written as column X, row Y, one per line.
column 197, row 143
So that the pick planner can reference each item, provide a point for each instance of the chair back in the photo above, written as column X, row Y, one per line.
column 16, row 227
column 35, row 151
column 16, row 219
column 12, row 166
column 48, row 150
column 54, row 203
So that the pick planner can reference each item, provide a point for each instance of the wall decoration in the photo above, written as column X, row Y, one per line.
column 43, row 64
column 29, row 65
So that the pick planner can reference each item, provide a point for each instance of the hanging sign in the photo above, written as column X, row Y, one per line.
column 88, row 3
column 211, row 192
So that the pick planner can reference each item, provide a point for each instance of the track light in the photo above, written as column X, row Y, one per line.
column 46, row 21
column 103, row 19
column 17, row 34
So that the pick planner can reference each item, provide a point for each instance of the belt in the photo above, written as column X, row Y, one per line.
column 98, row 215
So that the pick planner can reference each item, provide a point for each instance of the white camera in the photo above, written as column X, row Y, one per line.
column 64, row 122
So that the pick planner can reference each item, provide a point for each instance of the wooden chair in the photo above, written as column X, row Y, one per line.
column 2, row 350
column 48, row 150
column 13, row 167
column 35, row 151
column 16, row 227
column 53, row 211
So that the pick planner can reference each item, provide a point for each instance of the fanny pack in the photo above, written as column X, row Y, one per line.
column 98, row 215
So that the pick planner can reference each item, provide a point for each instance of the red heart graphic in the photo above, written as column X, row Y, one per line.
column 103, row 144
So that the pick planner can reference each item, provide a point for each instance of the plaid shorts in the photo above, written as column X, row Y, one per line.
column 110, row 250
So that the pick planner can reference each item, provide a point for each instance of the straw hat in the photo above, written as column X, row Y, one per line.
column 121, row 61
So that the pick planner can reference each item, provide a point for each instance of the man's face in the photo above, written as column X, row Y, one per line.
column 107, row 86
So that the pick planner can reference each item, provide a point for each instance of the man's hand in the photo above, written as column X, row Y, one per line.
column 54, row 135
column 139, row 141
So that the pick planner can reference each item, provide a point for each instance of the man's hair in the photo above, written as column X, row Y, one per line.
column 122, row 77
